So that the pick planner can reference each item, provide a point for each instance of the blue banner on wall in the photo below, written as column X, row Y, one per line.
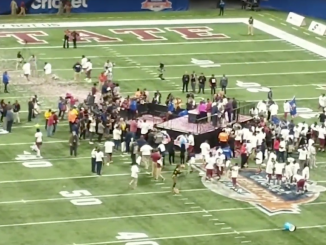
column 98, row 6
column 312, row 8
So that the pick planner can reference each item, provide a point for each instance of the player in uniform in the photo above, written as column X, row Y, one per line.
column 210, row 164
column 301, row 183
column 259, row 159
column 279, row 167
column 38, row 142
column 270, row 166
column 220, row 163
column 161, row 71
column 234, row 175
column 20, row 60
column 306, row 172
column 251, row 26
column 288, row 174
column 175, row 175
column 83, row 63
column 134, row 176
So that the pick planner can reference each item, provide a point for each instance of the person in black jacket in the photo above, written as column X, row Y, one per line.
column 185, row 82
column 30, row 110
column 201, row 83
column 171, row 151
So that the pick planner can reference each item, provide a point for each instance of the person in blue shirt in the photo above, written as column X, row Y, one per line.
column 221, row 7
column 133, row 107
column 5, row 81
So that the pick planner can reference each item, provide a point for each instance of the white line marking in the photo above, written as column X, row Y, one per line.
column 149, row 44
column 180, row 54
column 318, row 38
column 109, row 218
column 207, row 215
column 271, row 19
column 214, row 219
column 97, row 196
column 226, row 228
column 283, row 24
column 183, row 199
column 240, row 237
column 306, row 33
column 219, row 224
column 165, row 187
column 189, row 203
column 194, row 65
column 294, row 28
column 245, row 241
column 195, row 207
column 261, row 15
column 159, row 183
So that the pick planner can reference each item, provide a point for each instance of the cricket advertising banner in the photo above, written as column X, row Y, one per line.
column 97, row 6
column 312, row 8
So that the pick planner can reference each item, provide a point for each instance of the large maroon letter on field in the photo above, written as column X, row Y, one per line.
column 143, row 34
column 25, row 37
column 196, row 32
column 88, row 36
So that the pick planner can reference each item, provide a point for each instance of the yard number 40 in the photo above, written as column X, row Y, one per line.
column 134, row 236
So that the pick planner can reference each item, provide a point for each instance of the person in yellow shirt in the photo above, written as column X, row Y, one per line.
column 47, row 114
column 72, row 116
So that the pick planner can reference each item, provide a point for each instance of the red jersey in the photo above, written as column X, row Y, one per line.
column 155, row 157
column 243, row 149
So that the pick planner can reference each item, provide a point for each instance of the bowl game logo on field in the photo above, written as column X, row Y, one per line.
column 156, row 5
column 270, row 199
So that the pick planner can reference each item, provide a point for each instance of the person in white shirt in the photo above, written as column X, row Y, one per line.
column 297, row 132
column 162, row 149
column 205, row 149
column 321, row 138
column 92, row 130
column 108, row 66
column 303, row 155
column 314, row 130
column 144, row 128
column 191, row 142
column 220, row 163
column 27, row 70
column 285, row 133
column 273, row 109
column 312, row 157
column 254, row 113
column 234, row 175
column 282, row 150
column 116, row 134
column 210, row 164
column 279, row 167
column 288, row 174
column 287, row 109
column 38, row 142
column 93, row 160
column 146, row 151
column 238, row 138
column 262, row 108
column 99, row 159
column 89, row 68
column 47, row 71
column 134, row 176
column 301, row 183
column 270, row 166
column 259, row 159
column 322, row 101
column 306, row 172
column 108, row 149
column 83, row 63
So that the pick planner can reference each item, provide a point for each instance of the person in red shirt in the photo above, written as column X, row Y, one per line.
column 244, row 155
column 22, row 11
column 102, row 78
column 55, row 121
column 50, row 126
column 157, row 164
column 276, row 147
column 133, row 127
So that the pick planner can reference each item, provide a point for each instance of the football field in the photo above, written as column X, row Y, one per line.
column 55, row 200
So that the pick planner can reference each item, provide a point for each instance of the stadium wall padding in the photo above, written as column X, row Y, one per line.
column 98, row 6
column 312, row 8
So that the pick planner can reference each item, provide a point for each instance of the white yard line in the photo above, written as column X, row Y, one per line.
column 98, row 196
column 119, row 217
column 138, row 66
column 197, row 236
column 147, row 44
column 174, row 90
column 178, row 54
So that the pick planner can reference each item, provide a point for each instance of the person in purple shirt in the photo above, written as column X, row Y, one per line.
column 202, row 112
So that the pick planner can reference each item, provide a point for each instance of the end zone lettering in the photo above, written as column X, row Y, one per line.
column 49, row 4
